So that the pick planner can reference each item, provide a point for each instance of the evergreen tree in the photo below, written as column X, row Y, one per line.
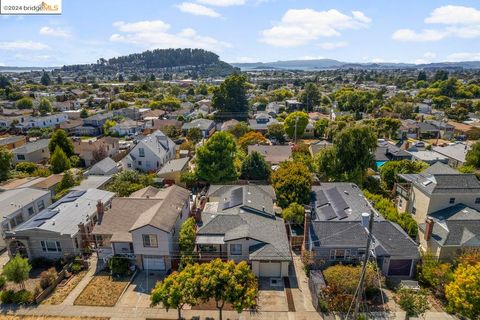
column 45, row 80
column 59, row 162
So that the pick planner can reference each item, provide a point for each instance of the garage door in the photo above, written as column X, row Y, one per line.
column 399, row 267
column 153, row 263
column 270, row 269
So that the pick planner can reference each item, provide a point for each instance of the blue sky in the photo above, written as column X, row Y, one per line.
column 414, row 31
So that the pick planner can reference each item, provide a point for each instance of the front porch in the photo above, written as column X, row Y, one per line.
column 211, row 247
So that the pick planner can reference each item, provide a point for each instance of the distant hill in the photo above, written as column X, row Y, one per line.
column 195, row 60
column 325, row 64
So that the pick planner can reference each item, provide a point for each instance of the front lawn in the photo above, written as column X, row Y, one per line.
column 61, row 292
column 102, row 290
column 12, row 317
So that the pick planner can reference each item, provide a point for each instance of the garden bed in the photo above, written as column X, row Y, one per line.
column 15, row 317
column 102, row 290
column 62, row 291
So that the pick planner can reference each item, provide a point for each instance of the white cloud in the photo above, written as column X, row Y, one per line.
column 197, row 9
column 247, row 60
column 464, row 56
column 54, row 32
column 333, row 45
column 427, row 57
column 156, row 34
column 458, row 21
column 311, row 58
column 424, row 35
column 23, row 45
column 299, row 27
column 222, row 3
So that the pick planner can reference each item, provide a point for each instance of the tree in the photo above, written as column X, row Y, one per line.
column 108, row 126
column 215, row 159
column 389, row 171
column 254, row 167
column 120, row 78
column 45, row 106
column 227, row 282
column 276, row 131
column 128, row 181
column 473, row 156
column 59, row 138
column 422, row 76
column 294, row 213
column 4, row 82
column 66, row 183
column 5, row 163
column 230, row 97
column 295, row 124
column 45, row 79
column 169, row 103
column 59, row 161
column 177, row 289
column 463, row 293
column 24, row 103
column 239, row 129
column 292, row 183
column 310, row 96
column 435, row 274
column 172, row 131
column 440, row 75
column 83, row 113
column 186, row 241
column 59, row 80
column 413, row 303
column 194, row 135
column 17, row 270
column 115, row 105
column 321, row 127
column 251, row 138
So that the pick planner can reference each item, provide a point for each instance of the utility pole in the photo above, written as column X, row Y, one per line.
column 364, row 267
column 296, row 121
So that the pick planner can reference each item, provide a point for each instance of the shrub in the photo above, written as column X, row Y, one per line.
column 119, row 266
column 7, row 296
column 23, row 297
column 47, row 278
column 76, row 267
column 28, row 167
column 413, row 303
column 3, row 281
column 41, row 262
column 42, row 172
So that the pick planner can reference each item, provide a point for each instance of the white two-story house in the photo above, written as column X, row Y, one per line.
column 150, row 153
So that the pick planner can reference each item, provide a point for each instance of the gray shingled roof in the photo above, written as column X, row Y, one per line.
column 247, row 212
column 104, row 165
column 440, row 168
column 174, row 165
column 444, row 183
column 30, row 147
column 458, row 225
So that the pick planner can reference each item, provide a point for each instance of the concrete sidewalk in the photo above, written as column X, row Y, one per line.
column 300, row 291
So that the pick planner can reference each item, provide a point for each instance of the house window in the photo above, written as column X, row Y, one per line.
column 129, row 165
column 20, row 157
column 18, row 219
column 30, row 211
column 139, row 163
column 141, row 152
column 150, row 241
column 477, row 200
column 452, row 200
column 414, row 210
column 76, row 243
column 51, row 246
column 235, row 249
column 339, row 254
column 40, row 205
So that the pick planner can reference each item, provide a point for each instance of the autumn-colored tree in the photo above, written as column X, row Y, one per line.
column 251, row 138
column 435, row 273
column 463, row 293
column 292, row 183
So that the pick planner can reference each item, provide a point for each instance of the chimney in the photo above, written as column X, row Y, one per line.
column 428, row 229
column 100, row 209
column 306, row 230
column 365, row 219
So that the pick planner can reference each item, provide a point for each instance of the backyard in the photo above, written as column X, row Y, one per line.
column 102, row 290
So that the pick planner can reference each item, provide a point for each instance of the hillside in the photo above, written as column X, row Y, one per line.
column 199, row 61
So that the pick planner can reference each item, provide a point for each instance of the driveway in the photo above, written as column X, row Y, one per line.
column 299, row 284
column 137, row 294
column 271, row 297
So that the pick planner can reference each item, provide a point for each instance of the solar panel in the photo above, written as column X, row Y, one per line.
column 336, row 199
column 226, row 205
column 236, row 197
column 327, row 212
column 321, row 198
column 341, row 214
column 47, row 214
column 76, row 193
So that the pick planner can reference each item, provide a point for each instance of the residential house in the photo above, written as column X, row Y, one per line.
column 93, row 182
column 335, row 232
column 172, row 171
column 418, row 130
column 261, row 122
column 150, row 153
column 161, row 124
column 48, row 121
column 293, row 104
column 105, row 167
column 36, row 152
column 387, row 151
column 273, row 108
column 455, row 152
column 94, row 150
column 229, row 124
column 128, row 127
column 465, row 130
column 12, row 142
column 144, row 227
column 72, row 126
column 446, row 130
column 94, row 124
column 205, row 125
column 428, row 156
column 438, row 187
column 19, row 205
column 239, row 224
column 132, row 113
column 316, row 147
column 62, row 229
column 272, row 154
